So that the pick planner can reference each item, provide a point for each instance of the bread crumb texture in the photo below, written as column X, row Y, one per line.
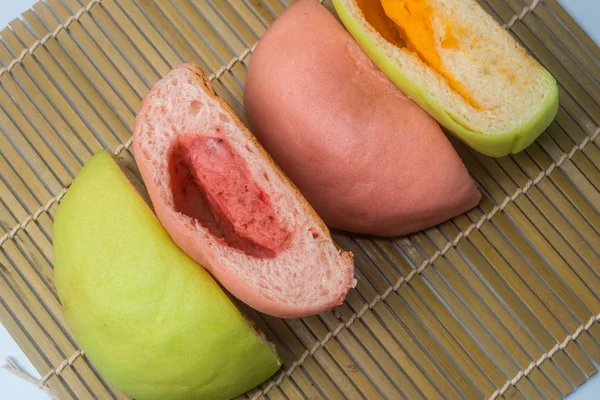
column 228, row 202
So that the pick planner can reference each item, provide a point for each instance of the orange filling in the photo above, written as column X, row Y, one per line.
column 407, row 24
column 375, row 15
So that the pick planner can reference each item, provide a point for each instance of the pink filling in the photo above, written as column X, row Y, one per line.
column 212, row 184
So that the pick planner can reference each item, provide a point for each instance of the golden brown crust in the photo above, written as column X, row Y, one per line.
column 205, row 82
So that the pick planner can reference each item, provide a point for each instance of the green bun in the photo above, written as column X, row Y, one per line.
column 150, row 319
column 495, row 145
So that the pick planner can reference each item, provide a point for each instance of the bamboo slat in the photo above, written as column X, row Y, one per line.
column 501, row 302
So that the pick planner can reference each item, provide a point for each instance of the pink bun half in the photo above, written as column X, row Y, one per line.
column 367, row 158
column 227, row 204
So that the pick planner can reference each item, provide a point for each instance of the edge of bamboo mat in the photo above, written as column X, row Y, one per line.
column 379, row 298
column 49, row 36
column 545, row 356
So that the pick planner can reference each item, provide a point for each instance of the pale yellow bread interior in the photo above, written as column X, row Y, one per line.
column 507, row 87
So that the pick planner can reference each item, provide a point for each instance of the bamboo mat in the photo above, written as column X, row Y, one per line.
column 501, row 302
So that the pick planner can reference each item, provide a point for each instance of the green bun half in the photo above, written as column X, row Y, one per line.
column 150, row 319
column 495, row 145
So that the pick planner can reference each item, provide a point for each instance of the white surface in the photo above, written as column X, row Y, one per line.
column 586, row 12
column 11, row 386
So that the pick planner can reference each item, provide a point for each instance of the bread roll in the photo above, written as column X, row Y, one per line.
column 149, row 318
column 365, row 156
column 227, row 204
column 454, row 60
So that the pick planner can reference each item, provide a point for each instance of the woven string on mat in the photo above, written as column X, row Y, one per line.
column 12, row 366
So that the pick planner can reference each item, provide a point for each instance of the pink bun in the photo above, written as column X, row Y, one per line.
column 365, row 156
column 229, row 207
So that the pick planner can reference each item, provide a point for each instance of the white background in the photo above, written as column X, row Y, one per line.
column 586, row 12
